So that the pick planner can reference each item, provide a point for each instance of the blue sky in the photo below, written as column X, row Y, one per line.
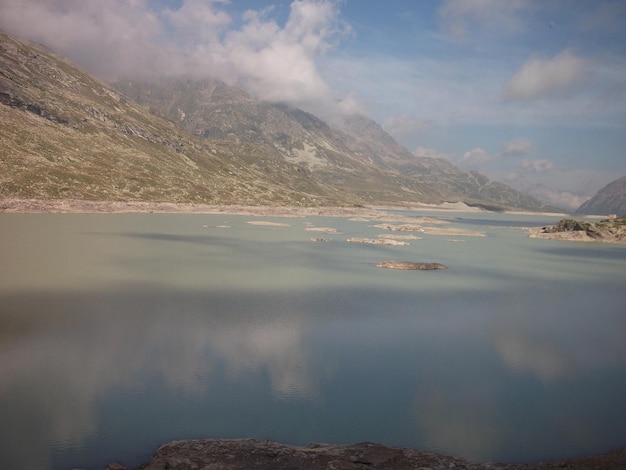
column 529, row 92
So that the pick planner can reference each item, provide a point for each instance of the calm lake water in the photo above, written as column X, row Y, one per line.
column 122, row 332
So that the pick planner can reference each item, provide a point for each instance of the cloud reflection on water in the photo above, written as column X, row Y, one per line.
column 66, row 353
column 561, row 329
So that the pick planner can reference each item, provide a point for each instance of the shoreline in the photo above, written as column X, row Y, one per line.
column 74, row 206
column 79, row 206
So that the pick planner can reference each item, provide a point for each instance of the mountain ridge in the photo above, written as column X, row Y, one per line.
column 66, row 134
column 346, row 141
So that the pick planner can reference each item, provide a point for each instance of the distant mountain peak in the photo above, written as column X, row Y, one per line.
column 609, row 200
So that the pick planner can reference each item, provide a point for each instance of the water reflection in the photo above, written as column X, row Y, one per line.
column 66, row 353
column 161, row 331
column 575, row 340
column 464, row 420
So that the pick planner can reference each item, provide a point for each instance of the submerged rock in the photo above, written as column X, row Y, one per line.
column 377, row 241
column 410, row 265
column 319, row 240
column 267, row 223
column 400, row 227
column 322, row 229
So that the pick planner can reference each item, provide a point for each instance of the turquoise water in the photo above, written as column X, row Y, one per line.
column 121, row 332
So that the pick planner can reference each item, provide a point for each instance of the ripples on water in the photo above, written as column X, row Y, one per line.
column 120, row 332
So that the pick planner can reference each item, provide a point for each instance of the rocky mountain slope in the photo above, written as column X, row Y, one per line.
column 67, row 135
column 609, row 200
column 213, row 110
column 354, row 152
column 368, row 138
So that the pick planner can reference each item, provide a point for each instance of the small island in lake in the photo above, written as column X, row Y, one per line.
column 610, row 230
column 377, row 241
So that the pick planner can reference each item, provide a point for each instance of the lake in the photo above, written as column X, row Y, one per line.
column 119, row 332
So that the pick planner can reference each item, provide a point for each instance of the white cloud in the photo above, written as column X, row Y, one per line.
column 279, row 64
column 350, row 105
column 565, row 199
column 125, row 38
column 476, row 158
column 106, row 38
column 197, row 22
column 516, row 147
column 536, row 166
column 544, row 77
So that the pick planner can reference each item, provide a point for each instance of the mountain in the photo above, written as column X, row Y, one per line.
column 353, row 152
column 67, row 135
column 609, row 200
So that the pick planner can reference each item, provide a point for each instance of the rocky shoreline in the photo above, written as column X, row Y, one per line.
column 401, row 223
column 231, row 454
column 16, row 205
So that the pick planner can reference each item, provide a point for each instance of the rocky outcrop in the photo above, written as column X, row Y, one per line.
column 230, row 454
column 611, row 230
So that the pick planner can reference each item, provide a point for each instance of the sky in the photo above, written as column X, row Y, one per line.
column 531, row 93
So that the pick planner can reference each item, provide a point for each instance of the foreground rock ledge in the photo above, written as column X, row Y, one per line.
column 230, row 454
